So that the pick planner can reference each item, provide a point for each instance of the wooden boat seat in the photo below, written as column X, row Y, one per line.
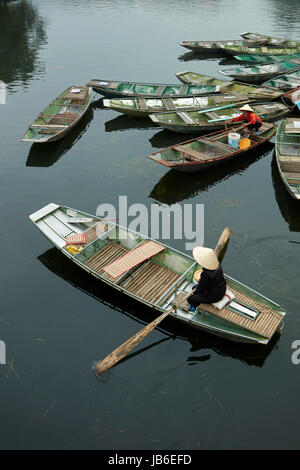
column 63, row 118
column 169, row 104
column 142, row 104
column 212, row 115
column 290, row 126
column 53, row 130
column 226, row 147
column 186, row 118
column 289, row 159
column 57, row 126
column 160, row 89
column 194, row 154
column 133, row 258
column 183, row 90
column 151, row 281
column 265, row 324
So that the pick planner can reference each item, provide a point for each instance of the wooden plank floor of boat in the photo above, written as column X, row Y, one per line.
column 265, row 323
column 151, row 281
column 148, row 281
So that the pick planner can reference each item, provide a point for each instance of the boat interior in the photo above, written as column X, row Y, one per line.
column 154, row 273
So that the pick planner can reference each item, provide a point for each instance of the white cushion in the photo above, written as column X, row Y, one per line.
column 228, row 297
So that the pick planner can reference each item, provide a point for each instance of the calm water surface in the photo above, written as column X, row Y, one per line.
column 179, row 390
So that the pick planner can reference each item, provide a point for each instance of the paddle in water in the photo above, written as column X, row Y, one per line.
column 118, row 354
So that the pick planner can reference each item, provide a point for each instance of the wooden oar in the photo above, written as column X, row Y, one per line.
column 128, row 345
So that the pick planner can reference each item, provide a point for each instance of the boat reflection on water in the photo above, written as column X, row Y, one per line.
column 230, row 61
column 177, row 186
column 200, row 342
column 203, row 55
column 44, row 155
column 124, row 122
column 288, row 206
column 166, row 138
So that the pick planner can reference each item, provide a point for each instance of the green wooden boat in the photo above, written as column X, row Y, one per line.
column 208, row 151
column 149, row 90
column 284, row 82
column 265, row 59
column 209, row 46
column 212, row 120
column 158, row 281
column 60, row 116
column 270, row 40
column 143, row 107
column 287, row 149
column 259, row 73
column 226, row 86
column 262, row 50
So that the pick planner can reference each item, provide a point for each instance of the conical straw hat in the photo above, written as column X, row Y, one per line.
column 246, row 107
column 206, row 257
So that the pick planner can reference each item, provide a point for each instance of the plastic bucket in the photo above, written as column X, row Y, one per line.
column 233, row 139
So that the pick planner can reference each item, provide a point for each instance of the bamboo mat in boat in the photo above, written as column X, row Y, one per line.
column 265, row 323
column 133, row 258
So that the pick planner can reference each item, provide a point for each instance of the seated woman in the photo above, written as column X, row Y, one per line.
column 250, row 119
column 212, row 284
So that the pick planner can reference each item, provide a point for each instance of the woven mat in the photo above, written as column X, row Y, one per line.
column 133, row 258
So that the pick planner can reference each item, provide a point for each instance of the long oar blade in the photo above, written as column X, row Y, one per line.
column 128, row 345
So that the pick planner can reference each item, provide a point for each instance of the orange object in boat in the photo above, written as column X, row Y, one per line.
column 244, row 143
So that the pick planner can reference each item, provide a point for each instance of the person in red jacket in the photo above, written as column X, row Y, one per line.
column 250, row 119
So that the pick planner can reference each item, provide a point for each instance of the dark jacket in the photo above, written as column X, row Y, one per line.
column 212, row 282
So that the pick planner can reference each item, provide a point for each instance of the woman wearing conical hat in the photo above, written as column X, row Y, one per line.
column 212, row 284
column 249, row 118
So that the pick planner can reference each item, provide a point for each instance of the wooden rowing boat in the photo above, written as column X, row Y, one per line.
column 209, row 150
column 249, row 39
column 287, row 150
column 149, row 90
column 159, row 280
column 143, row 107
column 213, row 119
column 284, row 82
column 260, row 73
column 60, row 116
column 265, row 59
column 209, row 46
column 226, row 86
column 270, row 40
column 262, row 50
